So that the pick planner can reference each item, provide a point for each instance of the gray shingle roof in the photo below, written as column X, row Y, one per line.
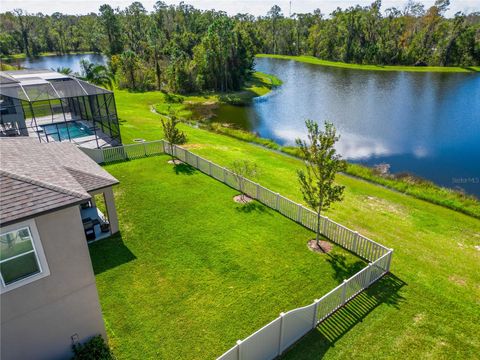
column 37, row 177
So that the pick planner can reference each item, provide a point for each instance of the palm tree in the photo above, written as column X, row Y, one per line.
column 96, row 74
column 64, row 70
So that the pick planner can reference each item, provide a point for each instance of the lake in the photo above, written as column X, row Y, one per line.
column 427, row 124
column 54, row 62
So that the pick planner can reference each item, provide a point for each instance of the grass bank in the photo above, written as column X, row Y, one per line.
column 193, row 271
column 316, row 61
column 408, row 184
column 429, row 310
column 201, row 107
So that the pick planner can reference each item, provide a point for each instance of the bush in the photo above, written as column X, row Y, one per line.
column 93, row 349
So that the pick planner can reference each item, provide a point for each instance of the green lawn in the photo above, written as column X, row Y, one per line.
column 433, row 313
column 316, row 61
column 193, row 271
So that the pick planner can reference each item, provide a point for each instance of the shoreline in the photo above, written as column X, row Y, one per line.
column 315, row 61
column 410, row 184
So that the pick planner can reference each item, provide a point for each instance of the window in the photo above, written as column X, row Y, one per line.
column 20, row 259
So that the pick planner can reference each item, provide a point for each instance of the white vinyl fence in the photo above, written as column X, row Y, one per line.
column 274, row 338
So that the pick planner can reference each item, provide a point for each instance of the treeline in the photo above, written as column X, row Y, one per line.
column 183, row 49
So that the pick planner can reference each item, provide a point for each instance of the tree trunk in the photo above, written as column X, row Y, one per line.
column 318, row 227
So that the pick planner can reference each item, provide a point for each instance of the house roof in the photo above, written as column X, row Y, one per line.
column 36, row 85
column 38, row 177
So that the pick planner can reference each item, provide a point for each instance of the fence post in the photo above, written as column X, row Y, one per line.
column 280, row 338
column 144, row 148
column 225, row 175
column 239, row 351
column 163, row 146
column 210, row 168
column 196, row 157
column 277, row 201
column 389, row 260
column 369, row 272
column 315, row 313
column 344, row 291
column 258, row 192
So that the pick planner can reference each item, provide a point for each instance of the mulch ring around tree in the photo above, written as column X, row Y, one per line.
column 175, row 162
column 325, row 246
column 242, row 199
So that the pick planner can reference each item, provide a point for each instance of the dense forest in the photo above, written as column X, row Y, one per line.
column 183, row 49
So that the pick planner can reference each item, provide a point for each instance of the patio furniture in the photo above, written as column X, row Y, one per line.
column 105, row 227
column 89, row 229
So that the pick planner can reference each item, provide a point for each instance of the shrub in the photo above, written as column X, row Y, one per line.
column 93, row 349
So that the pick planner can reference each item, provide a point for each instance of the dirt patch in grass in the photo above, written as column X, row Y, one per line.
column 418, row 318
column 325, row 246
column 193, row 146
column 457, row 280
column 242, row 199
column 175, row 162
column 377, row 204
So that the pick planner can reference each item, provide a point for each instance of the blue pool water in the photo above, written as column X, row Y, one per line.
column 60, row 132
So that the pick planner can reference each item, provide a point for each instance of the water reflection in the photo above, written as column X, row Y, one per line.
column 70, row 61
column 425, row 123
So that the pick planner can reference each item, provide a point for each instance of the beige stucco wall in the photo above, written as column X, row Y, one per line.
column 38, row 319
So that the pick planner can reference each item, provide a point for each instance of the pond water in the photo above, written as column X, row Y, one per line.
column 427, row 124
column 54, row 62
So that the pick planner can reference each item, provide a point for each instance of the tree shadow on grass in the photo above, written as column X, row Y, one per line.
column 184, row 169
column 343, row 269
column 316, row 343
column 251, row 207
column 109, row 253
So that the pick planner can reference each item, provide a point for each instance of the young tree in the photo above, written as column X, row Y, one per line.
column 172, row 134
column 322, row 164
column 244, row 169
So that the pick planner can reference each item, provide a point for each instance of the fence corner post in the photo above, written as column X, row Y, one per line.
column 344, row 291
column 280, row 338
column 315, row 313
column 239, row 351
column 369, row 272
column 389, row 260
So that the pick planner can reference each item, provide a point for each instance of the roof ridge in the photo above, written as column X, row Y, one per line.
column 69, row 168
column 43, row 184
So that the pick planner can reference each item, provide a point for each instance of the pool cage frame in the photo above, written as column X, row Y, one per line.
column 59, row 100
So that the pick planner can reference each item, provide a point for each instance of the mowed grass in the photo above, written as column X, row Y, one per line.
column 430, row 309
column 192, row 271
column 316, row 61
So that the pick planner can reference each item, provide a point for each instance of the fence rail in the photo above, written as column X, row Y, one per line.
column 274, row 338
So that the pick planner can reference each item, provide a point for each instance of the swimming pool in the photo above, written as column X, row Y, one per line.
column 60, row 132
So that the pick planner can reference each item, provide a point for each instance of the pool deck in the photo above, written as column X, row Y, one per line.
column 84, row 141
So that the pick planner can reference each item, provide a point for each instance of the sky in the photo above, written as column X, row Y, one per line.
column 230, row 6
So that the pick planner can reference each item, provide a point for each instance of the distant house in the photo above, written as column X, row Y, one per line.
column 49, row 196
column 54, row 107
